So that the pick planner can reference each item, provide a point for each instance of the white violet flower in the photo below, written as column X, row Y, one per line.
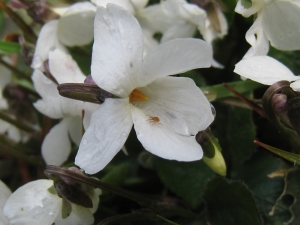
column 278, row 21
column 166, row 111
column 266, row 70
column 56, row 146
column 34, row 204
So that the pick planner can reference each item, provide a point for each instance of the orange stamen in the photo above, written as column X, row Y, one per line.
column 137, row 96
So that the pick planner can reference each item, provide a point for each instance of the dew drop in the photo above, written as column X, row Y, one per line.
column 84, row 142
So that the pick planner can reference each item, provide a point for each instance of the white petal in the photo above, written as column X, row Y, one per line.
column 64, row 68
column 160, row 141
column 173, row 57
column 264, row 69
column 78, row 216
column 50, row 104
column 4, row 194
column 4, row 126
column 32, row 204
column 75, row 27
column 46, row 42
column 246, row 12
column 296, row 85
column 125, row 4
column 53, row 104
column 74, row 125
column 88, row 113
column 178, row 103
column 117, row 50
column 179, row 30
column 256, row 37
column 107, row 133
column 281, row 24
column 56, row 146
column 14, row 133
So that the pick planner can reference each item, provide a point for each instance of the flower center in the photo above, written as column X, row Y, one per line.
column 137, row 96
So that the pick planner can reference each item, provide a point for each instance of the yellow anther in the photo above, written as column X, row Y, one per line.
column 137, row 96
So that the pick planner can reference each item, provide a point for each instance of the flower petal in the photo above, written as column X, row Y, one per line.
column 64, row 69
column 125, row 4
column 46, row 42
column 256, row 37
column 32, row 204
column 4, row 194
column 75, row 27
column 178, row 103
column 74, row 125
column 50, row 104
column 179, row 30
column 160, row 141
column 56, row 146
column 107, row 133
column 173, row 57
column 246, row 12
column 281, row 24
column 264, row 69
column 117, row 50
column 79, row 215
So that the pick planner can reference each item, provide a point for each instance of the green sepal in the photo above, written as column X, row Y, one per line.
column 52, row 190
column 66, row 209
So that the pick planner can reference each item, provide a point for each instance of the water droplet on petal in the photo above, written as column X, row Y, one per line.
column 84, row 142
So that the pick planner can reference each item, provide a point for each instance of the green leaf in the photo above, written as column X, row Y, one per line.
column 235, row 131
column 230, row 203
column 292, row 184
column 186, row 179
column 117, row 175
column 266, row 190
column 292, row 157
column 9, row 47
column 167, row 221
column 285, row 58
column 219, row 91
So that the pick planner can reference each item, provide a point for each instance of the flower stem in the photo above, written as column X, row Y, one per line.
column 33, row 160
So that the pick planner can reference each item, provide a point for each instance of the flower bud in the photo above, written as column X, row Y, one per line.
column 212, row 151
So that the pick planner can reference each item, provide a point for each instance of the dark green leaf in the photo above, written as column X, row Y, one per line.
column 254, row 173
column 230, row 203
column 235, row 130
column 117, row 175
column 186, row 179
column 219, row 91
column 292, row 191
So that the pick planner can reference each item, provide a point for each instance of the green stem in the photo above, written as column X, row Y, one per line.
column 17, row 123
column 155, row 205
column 19, row 73
column 27, row 31
column 33, row 160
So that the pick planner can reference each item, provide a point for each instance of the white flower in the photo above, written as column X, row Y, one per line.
column 4, row 195
column 73, row 28
column 175, row 19
column 166, row 111
column 33, row 204
column 278, row 21
column 56, row 146
column 266, row 70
